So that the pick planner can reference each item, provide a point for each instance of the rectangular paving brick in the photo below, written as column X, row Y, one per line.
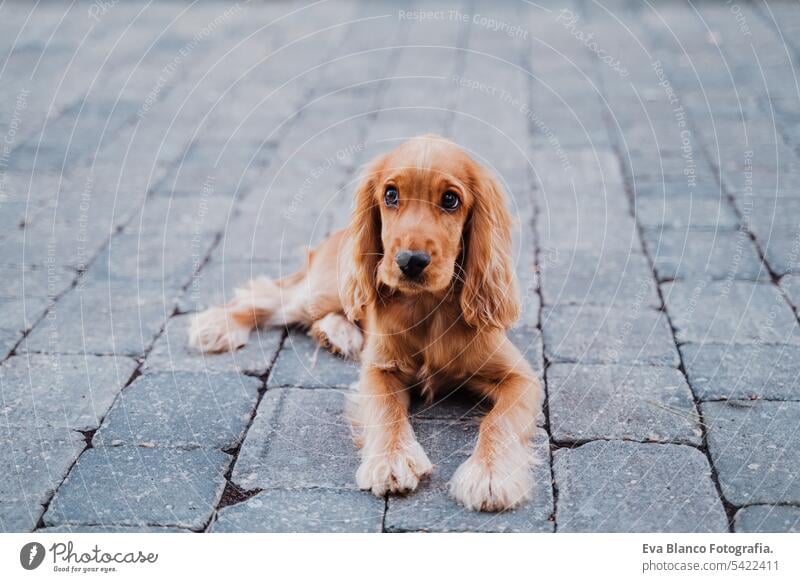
column 430, row 508
column 610, row 278
column 181, row 409
column 732, row 312
column 33, row 281
column 19, row 516
column 755, row 450
column 33, row 463
column 724, row 371
column 782, row 250
column 588, row 231
column 135, row 257
column 216, row 282
column 61, row 390
column 664, row 189
column 309, row 510
column 172, row 353
column 772, row 213
column 134, row 486
column 643, row 403
column 633, row 487
column 100, row 529
column 791, row 286
column 602, row 335
column 458, row 404
column 299, row 438
column 303, row 363
column 531, row 303
column 528, row 341
column 693, row 254
column 8, row 339
column 686, row 210
column 21, row 313
column 103, row 318
column 767, row 519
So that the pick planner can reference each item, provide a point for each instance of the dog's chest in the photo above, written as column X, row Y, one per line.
column 436, row 341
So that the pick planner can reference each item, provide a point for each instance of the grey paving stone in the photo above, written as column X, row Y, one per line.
column 685, row 210
column 310, row 510
column 216, row 282
column 61, row 390
column 643, row 403
column 612, row 486
column 33, row 464
column 430, row 508
column 172, row 353
column 301, row 362
column 103, row 318
column 62, row 243
column 134, row 257
column 299, row 438
column 768, row 213
column 664, row 189
column 528, row 341
column 755, row 448
column 8, row 339
column 529, row 297
column 791, row 286
column 218, row 168
column 782, row 250
column 17, row 516
column 730, row 312
column 601, row 335
column 612, row 232
column 692, row 254
column 29, row 281
column 181, row 409
column 98, row 529
column 19, row 314
column 588, row 277
column 134, row 486
column 726, row 371
column 266, row 233
column 459, row 404
column 767, row 519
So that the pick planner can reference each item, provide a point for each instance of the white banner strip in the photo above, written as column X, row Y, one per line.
column 400, row 557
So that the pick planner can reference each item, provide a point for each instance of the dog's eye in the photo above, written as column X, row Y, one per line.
column 391, row 197
column 450, row 200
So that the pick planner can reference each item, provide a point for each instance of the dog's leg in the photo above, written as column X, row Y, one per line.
column 338, row 334
column 497, row 475
column 392, row 461
column 261, row 301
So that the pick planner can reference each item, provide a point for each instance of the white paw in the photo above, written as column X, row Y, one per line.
column 395, row 472
column 213, row 331
column 479, row 487
column 342, row 335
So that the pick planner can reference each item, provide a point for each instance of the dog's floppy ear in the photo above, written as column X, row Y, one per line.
column 489, row 296
column 366, row 248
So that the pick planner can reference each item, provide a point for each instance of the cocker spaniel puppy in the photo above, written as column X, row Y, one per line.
column 421, row 287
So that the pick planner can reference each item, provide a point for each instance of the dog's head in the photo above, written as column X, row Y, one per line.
column 428, row 218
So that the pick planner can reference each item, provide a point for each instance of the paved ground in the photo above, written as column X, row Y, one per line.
column 153, row 156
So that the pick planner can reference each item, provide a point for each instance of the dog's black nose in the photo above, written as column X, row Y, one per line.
column 412, row 263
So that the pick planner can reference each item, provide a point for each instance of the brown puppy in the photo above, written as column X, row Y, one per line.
column 420, row 285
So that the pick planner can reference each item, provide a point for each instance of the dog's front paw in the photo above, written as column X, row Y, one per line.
column 480, row 487
column 213, row 331
column 398, row 471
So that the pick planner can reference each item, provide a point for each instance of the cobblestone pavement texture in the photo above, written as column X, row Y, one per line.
column 155, row 155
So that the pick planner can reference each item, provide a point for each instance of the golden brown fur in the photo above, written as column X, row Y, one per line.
column 446, row 327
